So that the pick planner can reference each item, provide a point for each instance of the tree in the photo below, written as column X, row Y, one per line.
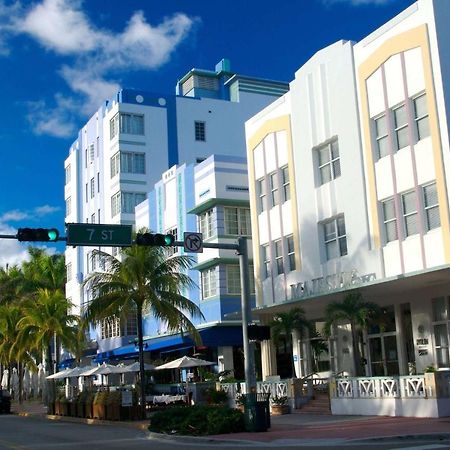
column 143, row 280
column 45, row 317
column 355, row 311
column 284, row 324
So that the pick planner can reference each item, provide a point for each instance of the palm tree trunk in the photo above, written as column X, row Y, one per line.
column 141, row 359
column 49, row 359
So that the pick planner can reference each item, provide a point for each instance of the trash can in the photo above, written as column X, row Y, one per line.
column 256, row 411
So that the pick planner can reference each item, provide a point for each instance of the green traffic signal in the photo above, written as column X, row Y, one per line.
column 52, row 234
column 155, row 240
column 37, row 234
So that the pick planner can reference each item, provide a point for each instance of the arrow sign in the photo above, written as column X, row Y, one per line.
column 193, row 242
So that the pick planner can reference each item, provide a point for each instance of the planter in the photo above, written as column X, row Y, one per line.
column 88, row 411
column 113, row 411
column 64, row 408
column 279, row 410
column 57, row 410
column 51, row 408
column 99, row 411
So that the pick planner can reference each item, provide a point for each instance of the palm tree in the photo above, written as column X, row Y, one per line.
column 355, row 311
column 144, row 280
column 45, row 317
column 284, row 324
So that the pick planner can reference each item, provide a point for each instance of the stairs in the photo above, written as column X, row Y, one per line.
column 320, row 404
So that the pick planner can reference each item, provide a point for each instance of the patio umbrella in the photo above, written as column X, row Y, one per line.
column 26, row 384
column 59, row 375
column 5, row 379
column 135, row 367
column 15, row 383
column 185, row 362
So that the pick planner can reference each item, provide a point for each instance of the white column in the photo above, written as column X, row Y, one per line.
column 401, row 347
column 225, row 358
column 268, row 359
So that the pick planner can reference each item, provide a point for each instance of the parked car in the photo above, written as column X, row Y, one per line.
column 5, row 401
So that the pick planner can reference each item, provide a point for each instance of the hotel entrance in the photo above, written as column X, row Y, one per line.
column 383, row 355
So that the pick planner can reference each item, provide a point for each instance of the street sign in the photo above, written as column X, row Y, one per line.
column 193, row 242
column 90, row 234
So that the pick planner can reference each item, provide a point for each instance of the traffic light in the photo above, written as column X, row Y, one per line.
column 37, row 234
column 155, row 240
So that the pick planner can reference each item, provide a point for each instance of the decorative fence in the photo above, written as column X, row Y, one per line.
column 375, row 387
column 275, row 388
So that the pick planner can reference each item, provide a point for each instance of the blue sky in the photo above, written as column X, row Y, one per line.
column 60, row 59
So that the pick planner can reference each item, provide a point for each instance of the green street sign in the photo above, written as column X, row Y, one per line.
column 90, row 234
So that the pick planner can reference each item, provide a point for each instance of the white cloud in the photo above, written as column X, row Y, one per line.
column 14, row 216
column 45, row 210
column 11, row 251
column 8, row 13
column 61, row 26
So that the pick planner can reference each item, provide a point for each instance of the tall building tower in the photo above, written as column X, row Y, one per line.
column 123, row 149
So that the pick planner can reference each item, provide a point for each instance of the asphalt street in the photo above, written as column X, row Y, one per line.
column 23, row 433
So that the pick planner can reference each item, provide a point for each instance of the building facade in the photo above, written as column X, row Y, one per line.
column 349, row 192
column 132, row 139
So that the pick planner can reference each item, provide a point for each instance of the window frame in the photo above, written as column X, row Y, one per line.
column 387, row 221
column 200, row 130
column 408, row 214
column 338, row 238
column 205, row 223
column 381, row 137
column 242, row 222
column 399, row 128
column 265, row 258
column 290, row 246
column 419, row 119
column 332, row 165
column 261, row 188
column 427, row 208
column 285, row 181
column 209, row 282
column 278, row 250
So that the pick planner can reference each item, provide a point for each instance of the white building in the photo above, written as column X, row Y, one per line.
column 132, row 139
column 349, row 188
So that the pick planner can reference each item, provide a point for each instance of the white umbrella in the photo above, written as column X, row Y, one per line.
column 5, row 379
column 26, row 384
column 42, row 384
column 15, row 383
column 59, row 375
column 135, row 367
column 185, row 362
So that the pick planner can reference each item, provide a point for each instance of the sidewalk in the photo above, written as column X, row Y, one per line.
column 293, row 427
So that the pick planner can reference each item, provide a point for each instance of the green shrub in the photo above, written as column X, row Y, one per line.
column 216, row 397
column 197, row 420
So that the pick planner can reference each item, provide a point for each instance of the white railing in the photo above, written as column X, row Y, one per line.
column 376, row 387
column 275, row 388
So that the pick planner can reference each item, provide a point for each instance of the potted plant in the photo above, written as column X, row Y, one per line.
column 99, row 405
column 64, row 406
column 88, row 405
column 113, row 403
column 279, row 405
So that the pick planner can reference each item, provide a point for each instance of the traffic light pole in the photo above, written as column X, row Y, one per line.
column 249, row 347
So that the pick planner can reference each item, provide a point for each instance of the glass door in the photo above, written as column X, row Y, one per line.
column 383, row 355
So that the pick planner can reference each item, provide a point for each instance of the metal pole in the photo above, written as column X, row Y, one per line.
column 249, row 347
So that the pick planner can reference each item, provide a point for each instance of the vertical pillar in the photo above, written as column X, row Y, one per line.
column 401, row 346
column 225, row 358
column 268, row 359
column 298, row 354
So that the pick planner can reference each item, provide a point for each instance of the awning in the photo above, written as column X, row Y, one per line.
column 211, row 337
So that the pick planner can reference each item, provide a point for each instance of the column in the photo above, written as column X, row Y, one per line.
column 268, row 359
column 401, row 347
column 225, row 359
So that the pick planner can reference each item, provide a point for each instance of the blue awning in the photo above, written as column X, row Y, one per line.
column 211, row 337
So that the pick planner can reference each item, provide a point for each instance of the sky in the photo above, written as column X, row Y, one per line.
column 60, row 59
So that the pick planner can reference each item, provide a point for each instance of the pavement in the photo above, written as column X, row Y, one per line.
column 290, row 428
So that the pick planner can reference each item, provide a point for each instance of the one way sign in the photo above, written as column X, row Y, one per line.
column 193, row 242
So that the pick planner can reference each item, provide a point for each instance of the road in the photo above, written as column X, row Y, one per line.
column 27, row 433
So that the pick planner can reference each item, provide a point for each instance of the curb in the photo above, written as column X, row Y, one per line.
column 197, row 439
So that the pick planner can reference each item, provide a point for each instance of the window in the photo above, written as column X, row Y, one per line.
column 431, row 205
column 115, row 164
column 401, row 127
column 421, row 116
column 440, row 327
column 237, row 221
column 115, row 204
column 91, row 152
column 129, row 123
column 129, row 200
column 329, row 162
column 110, row 327
column 273, row 180
column 92, row 188
column 68, row 206
column 69, row 272
column 234, row 280
column 266, row 260
column 291, row 252
column 200, row 131
column 285, row 181
column 86, row 192
column 410, row 215
column 279, row 256
column 98, row 181
column 93, row 218
column 209, row 282
column 132, row 162
column 261, row 188
column 390, row 220
column 68, row 174
column 335, row 238
column 381, row 132
column 205, row 224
